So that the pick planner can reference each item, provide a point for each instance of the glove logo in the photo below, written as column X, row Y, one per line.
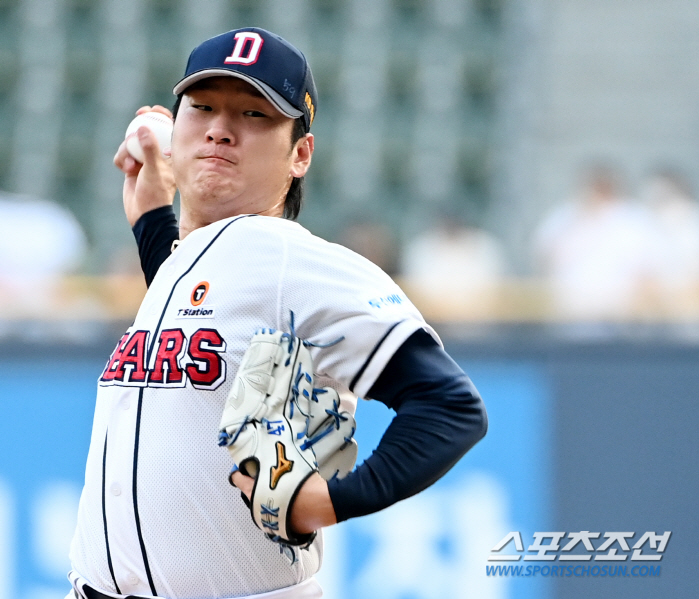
column 282, row 466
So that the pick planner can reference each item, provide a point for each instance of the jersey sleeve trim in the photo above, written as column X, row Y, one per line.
column 371, row 355
column 395, row 336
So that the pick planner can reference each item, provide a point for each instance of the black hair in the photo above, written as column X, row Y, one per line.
column 294, row 197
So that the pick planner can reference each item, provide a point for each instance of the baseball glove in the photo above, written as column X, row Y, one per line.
column 279, row 430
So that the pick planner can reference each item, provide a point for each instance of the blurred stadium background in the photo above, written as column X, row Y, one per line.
column 447, row 132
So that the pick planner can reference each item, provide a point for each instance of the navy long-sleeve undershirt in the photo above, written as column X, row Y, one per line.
column 154, row 232
column 439, row 413
column 439, row 417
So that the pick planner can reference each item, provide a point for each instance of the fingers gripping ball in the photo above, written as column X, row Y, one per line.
column 272, row 422
column 158, row 123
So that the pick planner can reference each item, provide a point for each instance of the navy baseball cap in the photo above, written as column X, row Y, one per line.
column 265, row 60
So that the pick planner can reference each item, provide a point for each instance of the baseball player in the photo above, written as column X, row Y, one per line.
column 248, row 323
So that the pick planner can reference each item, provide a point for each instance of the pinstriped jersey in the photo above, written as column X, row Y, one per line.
column 157, row 515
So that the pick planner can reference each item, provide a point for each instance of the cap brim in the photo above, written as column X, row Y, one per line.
column 276, row 99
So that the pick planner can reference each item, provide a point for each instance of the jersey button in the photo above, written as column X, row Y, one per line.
column 133, row 579
column 115, row 489
column 125, row 403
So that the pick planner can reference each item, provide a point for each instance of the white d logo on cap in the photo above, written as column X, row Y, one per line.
column 241, row 43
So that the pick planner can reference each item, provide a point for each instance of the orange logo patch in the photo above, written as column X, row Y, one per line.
column 199, row 293
column 311, row 108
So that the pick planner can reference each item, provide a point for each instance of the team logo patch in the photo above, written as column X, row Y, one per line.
column 199, row 293
column 282, row 466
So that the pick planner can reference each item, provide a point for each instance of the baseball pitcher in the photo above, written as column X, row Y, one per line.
column 222, row 440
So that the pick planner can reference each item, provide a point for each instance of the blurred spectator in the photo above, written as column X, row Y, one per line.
column 676, row 214
column 39, row 242
column 374, row 241
column 599, row 252
column 454, row 267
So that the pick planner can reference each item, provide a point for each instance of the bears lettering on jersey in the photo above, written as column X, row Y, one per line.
column 115, row 359
column 207, row 369
column 127, row 363
column 177, row 360
column 166, row 370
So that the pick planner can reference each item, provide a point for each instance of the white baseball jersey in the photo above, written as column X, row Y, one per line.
column 157, row 514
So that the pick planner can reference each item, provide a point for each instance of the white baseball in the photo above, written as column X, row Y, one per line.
column 158, row 123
